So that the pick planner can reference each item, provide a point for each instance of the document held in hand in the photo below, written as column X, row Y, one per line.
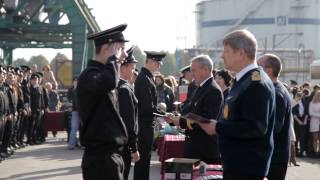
column 197, row 118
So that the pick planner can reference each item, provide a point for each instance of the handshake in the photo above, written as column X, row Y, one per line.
column 208, row 125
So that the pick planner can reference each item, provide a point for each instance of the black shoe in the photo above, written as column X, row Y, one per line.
column 296, row 164
column 37, row 142
column 22, row 145
column 10, row 151
column 4, row 155
column 29, row 143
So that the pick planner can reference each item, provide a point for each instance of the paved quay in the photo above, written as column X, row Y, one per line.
column 53, row 161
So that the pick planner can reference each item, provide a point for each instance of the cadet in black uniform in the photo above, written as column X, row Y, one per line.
column 41, row 134
column 128, row 106
column 245, row 130
column 25, row 85
column 145, row 90
column 11, row 123
column 35, row 106
column 187, row 76
column 271, row 64
column 4, row 110
column 102, row 132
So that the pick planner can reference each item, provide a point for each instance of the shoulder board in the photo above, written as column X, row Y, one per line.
column 255, row 76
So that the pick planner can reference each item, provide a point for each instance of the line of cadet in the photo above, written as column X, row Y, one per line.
column 22, row 105
column 251, row 138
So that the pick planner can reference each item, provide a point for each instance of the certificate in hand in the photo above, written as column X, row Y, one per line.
column 197, row 118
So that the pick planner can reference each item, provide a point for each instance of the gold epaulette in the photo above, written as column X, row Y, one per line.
column 255, row 76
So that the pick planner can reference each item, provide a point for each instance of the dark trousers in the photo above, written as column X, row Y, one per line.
column 233, row 176
column 126, row 156
column 301, row 131
column 145, row 141
column 16, row 127
column 192, row 149
column 35, row 123
column 41, row 134
column 277, row 171
column 104, row 166
column 23, row 128
column 2, row 124
column 7, row 135
column 30, row 128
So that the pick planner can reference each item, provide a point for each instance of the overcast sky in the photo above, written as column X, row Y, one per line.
column 152, row 24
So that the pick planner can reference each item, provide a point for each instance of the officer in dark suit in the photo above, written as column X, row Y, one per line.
column 245, row 129
column 102, row 132
column 207, row 102
column 271, row 64
column 145, row 90
column 128, row 106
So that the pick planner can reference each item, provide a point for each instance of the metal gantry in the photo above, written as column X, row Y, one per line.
column 47, row 24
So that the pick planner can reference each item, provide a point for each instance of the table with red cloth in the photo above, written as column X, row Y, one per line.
column 170, row 146
column 53, row 121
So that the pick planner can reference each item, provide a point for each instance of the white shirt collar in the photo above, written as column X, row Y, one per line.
column 205, row 81
column 123, row 79
column 245, row 70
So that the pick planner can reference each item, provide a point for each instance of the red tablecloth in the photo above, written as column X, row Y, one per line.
column 53, row 121
column 170, row 146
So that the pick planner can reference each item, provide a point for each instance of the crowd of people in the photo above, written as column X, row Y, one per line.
column 255, row 120
column 25, row 95
column 257, row 124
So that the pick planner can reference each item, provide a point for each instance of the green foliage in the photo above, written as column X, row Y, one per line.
column 169, row 62
column 140, row 57
column 169, row 65
column 57, row 60
column 39, row 60
column 20, row 61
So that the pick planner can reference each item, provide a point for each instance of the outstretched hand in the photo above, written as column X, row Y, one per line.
column 171, row 118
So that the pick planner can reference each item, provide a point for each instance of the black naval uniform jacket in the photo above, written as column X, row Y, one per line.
column 245, row 130
column 5, row 99
column 26, row 92
column 13, row 100
column 128, row 106
column 36, row 100
column 207, row 102
column 101, row 124
column 282, row 125
column 145, row 91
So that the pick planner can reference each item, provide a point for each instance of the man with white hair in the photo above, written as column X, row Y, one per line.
column 207, row 102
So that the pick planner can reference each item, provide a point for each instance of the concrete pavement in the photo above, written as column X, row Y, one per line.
column 53, row 161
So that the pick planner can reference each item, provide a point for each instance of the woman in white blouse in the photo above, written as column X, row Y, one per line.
column 48, row 76
column 314, row 111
